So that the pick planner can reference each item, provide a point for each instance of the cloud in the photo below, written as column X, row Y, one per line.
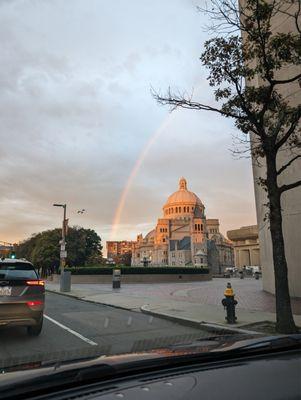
column 76, row 113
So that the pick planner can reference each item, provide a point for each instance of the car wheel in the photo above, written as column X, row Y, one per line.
column 35, row 330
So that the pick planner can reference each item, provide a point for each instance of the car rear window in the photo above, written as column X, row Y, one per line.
column 17, row 270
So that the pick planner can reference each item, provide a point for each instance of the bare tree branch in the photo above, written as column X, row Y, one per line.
column 188, row 103
column 284, row 81
column 285, row 188
column 285, row 166
column 290, row 131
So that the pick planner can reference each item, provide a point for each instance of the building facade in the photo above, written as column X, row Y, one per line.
column 290, row 200
column 246, row 246
column 5, row 249
column 182, row 237
column 120, row 251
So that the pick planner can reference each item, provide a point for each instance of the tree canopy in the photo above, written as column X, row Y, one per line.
column 43, row 249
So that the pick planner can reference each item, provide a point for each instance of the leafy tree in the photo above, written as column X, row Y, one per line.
column 123, row 259
column 83, row 247
column 245, row 60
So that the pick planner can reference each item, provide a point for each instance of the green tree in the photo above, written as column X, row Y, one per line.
column 244, row 61
column 83, row 247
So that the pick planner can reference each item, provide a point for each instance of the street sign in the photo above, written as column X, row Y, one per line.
column 63, row 247
column 63, row 254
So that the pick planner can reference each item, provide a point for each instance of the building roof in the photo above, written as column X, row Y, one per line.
column 200, row 253
column 150, row 234
column 243, row 233
column 183, row 196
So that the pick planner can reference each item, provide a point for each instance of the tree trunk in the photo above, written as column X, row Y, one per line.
column 285, row 321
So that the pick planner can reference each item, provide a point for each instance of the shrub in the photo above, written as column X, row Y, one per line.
column 137, row 270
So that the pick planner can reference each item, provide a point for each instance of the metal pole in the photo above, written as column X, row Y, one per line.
column 63, row 243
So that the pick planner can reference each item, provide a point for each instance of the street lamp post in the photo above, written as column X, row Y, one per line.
column 63, row 252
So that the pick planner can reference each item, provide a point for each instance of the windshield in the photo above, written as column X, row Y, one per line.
column 150, row 177
column 17, row 271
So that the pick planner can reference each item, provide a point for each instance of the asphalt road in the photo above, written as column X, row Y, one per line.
column 74, row 329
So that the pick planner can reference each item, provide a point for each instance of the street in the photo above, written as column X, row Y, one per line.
column 74, row 328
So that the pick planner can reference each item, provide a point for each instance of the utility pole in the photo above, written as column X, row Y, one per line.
column 63, row 251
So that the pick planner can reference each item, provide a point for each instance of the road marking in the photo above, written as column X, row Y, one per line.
column 71, row 331
column 106, row 323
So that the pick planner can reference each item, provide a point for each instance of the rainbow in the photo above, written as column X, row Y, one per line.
column 134, row 172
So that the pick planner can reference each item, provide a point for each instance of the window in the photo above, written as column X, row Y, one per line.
column 199, row 228
column 195, row 227
column 202, row 228
column 176, row 209
column 17, row 270
column 187, row 209
column 179, row 209
column 184, row 209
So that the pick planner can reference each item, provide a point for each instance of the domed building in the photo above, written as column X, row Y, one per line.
column 182, row 236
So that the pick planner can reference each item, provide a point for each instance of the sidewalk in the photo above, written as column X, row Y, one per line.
column 178, row 302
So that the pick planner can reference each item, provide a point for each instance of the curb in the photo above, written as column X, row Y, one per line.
column 91, row 301
column 209, row 327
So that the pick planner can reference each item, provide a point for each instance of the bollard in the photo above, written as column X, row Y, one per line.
column 65, row 281
column 229, row 304
column 116, row 278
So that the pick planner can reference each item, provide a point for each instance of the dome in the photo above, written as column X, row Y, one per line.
column 183, row 196
column 150, row 235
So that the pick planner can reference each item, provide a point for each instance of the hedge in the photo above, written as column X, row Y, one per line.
column 138, row 270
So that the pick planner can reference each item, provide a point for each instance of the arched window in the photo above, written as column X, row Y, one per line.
column 176, row 209
column 199, row 227
column 184, row 209
column 187, row 209
column 202, row 227
column 179, row 209
column 195, row 227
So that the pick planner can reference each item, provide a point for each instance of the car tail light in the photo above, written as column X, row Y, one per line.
column 34, row 303
column 35, row 283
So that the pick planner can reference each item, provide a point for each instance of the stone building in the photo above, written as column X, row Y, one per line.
column 119, row 250
column 183, row 236
column 290, row 200
column 246, row 246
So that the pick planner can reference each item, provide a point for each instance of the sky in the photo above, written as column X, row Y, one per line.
column 79, row 125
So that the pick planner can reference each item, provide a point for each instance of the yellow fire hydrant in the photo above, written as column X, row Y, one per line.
column 229, row 304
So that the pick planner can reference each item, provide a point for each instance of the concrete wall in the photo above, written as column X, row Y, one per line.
column 137, row 278
column 291, row 201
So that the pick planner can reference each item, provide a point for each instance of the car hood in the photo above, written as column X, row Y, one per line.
column 102, row 367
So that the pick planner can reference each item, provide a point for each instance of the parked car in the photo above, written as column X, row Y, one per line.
column 22, row 295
